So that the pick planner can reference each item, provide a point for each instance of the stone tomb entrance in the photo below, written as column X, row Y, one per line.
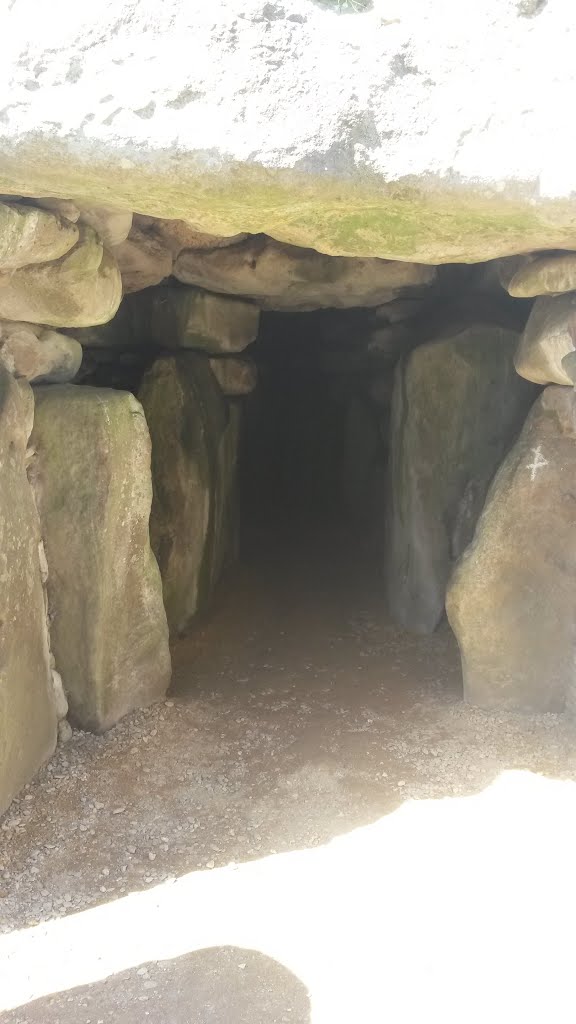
column 187, row 412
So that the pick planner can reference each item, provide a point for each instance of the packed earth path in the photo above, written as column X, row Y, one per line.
column 312, row 827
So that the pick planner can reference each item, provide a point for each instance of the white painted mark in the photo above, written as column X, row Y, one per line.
column 539, row 462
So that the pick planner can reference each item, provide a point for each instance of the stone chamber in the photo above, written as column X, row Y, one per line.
column 177, row 404
column 287, row 554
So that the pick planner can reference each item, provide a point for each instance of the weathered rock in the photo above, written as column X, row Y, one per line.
column 457, row 406
column 284, row 277
column 37, row 353
column 62, row 207
column 550, row 274
column 511, row 599
column 30, row 235
column 108, row 626
column 27, row 708
column 143, row 261
column 353, row 134
column 176, row 317
column 194, row 445
column 176, row 235
column 82, row 288
column 549, row 336
column 235, row 376
column 111, row 225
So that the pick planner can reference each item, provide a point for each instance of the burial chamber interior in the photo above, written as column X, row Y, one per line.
column 250, row 427
column 337, row 473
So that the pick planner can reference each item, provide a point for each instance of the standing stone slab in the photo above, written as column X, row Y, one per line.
column 457, row 406
column 194, row 445
column 109, row 634
column 28, row 720
column 511, row 599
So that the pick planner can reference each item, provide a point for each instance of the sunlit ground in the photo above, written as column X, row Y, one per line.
column 458, row 909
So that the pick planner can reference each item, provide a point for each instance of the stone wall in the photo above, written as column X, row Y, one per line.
column 123, row 514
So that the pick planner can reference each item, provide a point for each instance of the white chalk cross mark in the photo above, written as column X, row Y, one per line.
column 539, row 462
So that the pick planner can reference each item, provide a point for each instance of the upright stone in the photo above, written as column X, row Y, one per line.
column 28, row 720
column 109, row 633
column 457, row 406
column 511, row 599
column 194, row 447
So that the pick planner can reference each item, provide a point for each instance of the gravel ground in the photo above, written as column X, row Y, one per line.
column 298, row 714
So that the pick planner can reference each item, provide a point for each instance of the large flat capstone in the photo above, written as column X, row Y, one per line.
column 93, row 484
column 511, row 599
column 368, row 133
column 194, row 449
column 457, row 406
column 28, row 719
column 285, row 277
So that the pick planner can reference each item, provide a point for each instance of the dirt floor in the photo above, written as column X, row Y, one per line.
column 313, row 827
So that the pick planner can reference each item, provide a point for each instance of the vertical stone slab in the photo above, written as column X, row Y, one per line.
column 194, row 449
column 457, row 406
column 93, row 484
column 28, row 721
column 511, row 599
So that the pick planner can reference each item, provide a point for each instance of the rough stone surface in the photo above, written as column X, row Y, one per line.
column 111, row 225
column 376, row 133
column 194, row 442
column 284, row 277
column 546, row 275
column 177, row 235
column 510, row 600
column 108, row 627
column 82, row 288
column 62, row 207
column 37, row 353
column 548, row 338
column 30, row 235
column 457, row 406
column 143, row 261
column 176, row 317
column 235, row 376
column 27, row 708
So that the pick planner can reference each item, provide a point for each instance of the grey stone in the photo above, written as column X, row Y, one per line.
column 377, row 133
column 457, row 406
column 511, row 598
column 38, row 353
column 143, row 261
column 30, row 235
column 93, row 485
column 550, row 274
column 110, row 224
column 236, row 377
column 79, row 289
column 284, row 277
column 176, row 317
column 549, row 336
column 194, row 448
column 27, row 709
